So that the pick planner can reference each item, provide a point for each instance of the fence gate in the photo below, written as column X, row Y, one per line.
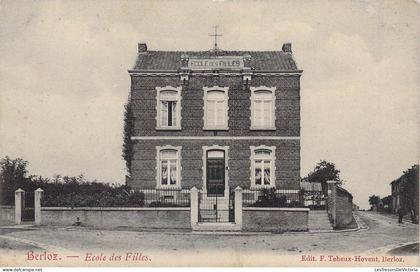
column 216, row 208
column 28, row 204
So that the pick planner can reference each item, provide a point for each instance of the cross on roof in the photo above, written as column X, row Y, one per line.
column 215, row 35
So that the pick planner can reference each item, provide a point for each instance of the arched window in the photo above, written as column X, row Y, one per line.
column 262, row 108
column 262, row 166
column 168, row 108
column 215, row 108
column 168, row 167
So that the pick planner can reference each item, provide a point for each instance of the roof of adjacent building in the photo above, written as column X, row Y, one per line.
column 256, row 60
column 415, row 168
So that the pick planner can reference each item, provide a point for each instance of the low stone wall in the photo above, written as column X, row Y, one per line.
column 168, row 218
column 274, row 219
column 7, row 214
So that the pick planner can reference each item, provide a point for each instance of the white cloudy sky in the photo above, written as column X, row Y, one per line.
column 63, row 77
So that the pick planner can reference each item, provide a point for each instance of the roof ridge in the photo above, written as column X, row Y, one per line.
column 260, row 60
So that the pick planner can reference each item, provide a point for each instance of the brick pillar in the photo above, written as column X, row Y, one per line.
column 238, row 206
column 332, row 200
column 194, row 206
column 37, row 205
column 18, row 205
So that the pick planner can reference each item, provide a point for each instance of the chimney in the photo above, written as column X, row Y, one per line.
column 142, row 48
column 286, row 48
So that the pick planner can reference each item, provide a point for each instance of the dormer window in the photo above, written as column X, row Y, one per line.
column 168, row 108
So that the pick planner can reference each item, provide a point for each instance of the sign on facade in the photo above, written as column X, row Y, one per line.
column 216, row 63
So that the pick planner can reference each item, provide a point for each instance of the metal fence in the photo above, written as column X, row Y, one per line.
column 166, row 197
column 272, row 198
column 215, row 208
column 28, row 203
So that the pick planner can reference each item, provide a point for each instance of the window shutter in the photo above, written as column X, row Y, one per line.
column 263, row 109
column 220, row 114
column 211, row 111
column 267, row 113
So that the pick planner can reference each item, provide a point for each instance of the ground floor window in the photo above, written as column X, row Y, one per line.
column 262, row 166
column 169, row 172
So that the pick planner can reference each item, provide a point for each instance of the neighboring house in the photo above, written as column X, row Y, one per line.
column 405, row 191
column 215, row 120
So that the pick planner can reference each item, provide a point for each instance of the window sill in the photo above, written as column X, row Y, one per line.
column 168, row 187
column 168, row 128
column 216, row 128
column 262, row 128
column 260, row 187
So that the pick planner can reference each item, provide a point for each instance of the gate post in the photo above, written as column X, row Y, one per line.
column 194, row 206
column 37, row 206
column 18, row 205
column 238, row 206
column 332, row 200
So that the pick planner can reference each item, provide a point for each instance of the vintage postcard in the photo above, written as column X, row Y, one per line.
column 209, row 133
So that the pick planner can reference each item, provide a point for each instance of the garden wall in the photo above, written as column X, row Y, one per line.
column 7, row 214
column 344, row 208
column 274, row 219
column 340, row 207
column 169, row 218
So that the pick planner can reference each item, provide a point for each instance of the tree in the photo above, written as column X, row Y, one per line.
column 374, row 201
column 63, row 191
column 127, row 149
column 410, row 192
column 387, row 203
column 13, row 170
column 13, row 175
column 323, row 172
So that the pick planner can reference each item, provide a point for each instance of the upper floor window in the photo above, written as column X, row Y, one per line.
column 168, row 108
column 216, row 108
column 263, row 108
column 262, row 166
column 168, row 167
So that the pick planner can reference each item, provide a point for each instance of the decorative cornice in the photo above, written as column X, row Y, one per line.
column 215, row 138
column 246, row 73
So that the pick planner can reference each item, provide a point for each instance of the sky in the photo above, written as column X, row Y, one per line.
column 64, row 80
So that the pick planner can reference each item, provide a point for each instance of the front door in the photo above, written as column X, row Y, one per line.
column 215, row 173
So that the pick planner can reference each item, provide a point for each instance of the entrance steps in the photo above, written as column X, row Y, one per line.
column 318, row 220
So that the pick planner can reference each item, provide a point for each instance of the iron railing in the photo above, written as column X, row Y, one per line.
column 28, row 203
column 272, row 198
column 165, row 197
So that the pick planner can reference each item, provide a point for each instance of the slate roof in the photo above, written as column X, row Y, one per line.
column 260, row 60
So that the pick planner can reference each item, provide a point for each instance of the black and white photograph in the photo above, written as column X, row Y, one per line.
column 218, row 133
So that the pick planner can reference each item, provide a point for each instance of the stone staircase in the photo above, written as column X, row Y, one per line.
column 319, row 221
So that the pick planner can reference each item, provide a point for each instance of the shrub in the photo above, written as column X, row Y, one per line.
column 63, row 191
column 269, row 198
